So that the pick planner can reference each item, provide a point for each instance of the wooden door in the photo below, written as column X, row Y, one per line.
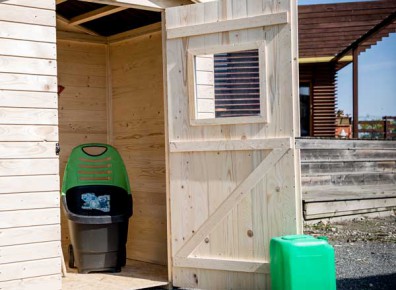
column 233, row 180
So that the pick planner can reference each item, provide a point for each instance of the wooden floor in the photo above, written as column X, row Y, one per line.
column 135, row 275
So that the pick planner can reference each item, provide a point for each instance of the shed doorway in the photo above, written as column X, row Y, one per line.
column 113, row 93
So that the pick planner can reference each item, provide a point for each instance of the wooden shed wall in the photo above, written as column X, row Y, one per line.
column 30, row 253
column 322, row 78
column 82, row 104
column 138, row 134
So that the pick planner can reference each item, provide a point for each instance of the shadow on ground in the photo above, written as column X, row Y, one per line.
column 380, row 282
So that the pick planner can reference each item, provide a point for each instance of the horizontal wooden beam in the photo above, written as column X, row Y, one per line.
column 228, row 25
column 347, row 58
column 95, row 14
column 344, row 144
column 80, row 37
column 339, row 7
column 151, row 5
column 223, row 264
column 229, row 145
column 127, row 35
column 82, row 29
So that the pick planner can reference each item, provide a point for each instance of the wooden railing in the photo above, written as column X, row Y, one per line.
column 378, row 129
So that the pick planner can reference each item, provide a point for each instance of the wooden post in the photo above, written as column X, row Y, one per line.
column 355, row 128
column 385, row 127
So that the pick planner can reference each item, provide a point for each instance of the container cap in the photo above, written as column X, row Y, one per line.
column 296, row 237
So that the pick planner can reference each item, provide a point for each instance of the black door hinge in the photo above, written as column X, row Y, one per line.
column 57, row 149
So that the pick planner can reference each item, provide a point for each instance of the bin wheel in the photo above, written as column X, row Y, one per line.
column 71, row 257
column 122, row 256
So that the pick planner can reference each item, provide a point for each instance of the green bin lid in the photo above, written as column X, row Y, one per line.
column 106, row 168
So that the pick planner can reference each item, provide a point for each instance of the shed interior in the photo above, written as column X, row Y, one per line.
column 110, row 70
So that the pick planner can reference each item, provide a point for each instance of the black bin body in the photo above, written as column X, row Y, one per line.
column 98, row 238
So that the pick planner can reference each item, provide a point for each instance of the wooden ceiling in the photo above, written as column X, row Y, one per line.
column 104, row 20
column 325, row 30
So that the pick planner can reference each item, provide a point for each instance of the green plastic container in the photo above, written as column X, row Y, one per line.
column 97, row 201
column 302, row 262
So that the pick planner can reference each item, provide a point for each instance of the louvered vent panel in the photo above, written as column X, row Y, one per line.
column 324, row 102
column 237, row 84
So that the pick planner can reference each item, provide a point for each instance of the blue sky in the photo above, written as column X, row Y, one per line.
column 377, row 77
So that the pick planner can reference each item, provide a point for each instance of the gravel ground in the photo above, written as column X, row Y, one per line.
column 365, row 252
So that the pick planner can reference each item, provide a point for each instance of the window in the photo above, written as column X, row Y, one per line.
column 228, row 85
column 305, row 109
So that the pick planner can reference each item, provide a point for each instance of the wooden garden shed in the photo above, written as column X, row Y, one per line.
column 210, row 189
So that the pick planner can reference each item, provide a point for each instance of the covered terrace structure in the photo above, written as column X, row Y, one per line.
column 332, row 36
column 341, row 179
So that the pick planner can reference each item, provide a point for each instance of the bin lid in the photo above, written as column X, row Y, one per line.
column 103, row 168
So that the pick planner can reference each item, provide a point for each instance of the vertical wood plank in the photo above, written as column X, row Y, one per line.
column 138, row 134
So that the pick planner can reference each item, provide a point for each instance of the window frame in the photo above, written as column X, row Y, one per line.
column 263, row 117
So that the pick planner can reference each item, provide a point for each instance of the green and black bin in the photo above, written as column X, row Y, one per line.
column 97, row 201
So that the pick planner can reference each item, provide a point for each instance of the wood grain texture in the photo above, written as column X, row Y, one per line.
column 44, row 100
column 30, row 269
column 31, row 234
column 82, row 104
column 42, row 4
column 20, row 253
column 29, row 168
column 27, row 116
column 344, row 144
column 28, row 133
column 13, row 167
column 253, row 144
column 28, row 65
column 37, row 283
column 13, row 47
column 27, row 218
column 26, row 150
column 346, row 178
column 27, row 15
column 228, row 25
column 135, row 275
column 138, row 133
column 24, row 31
column 28, row 82
column 31, row 200
column 204, row 182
